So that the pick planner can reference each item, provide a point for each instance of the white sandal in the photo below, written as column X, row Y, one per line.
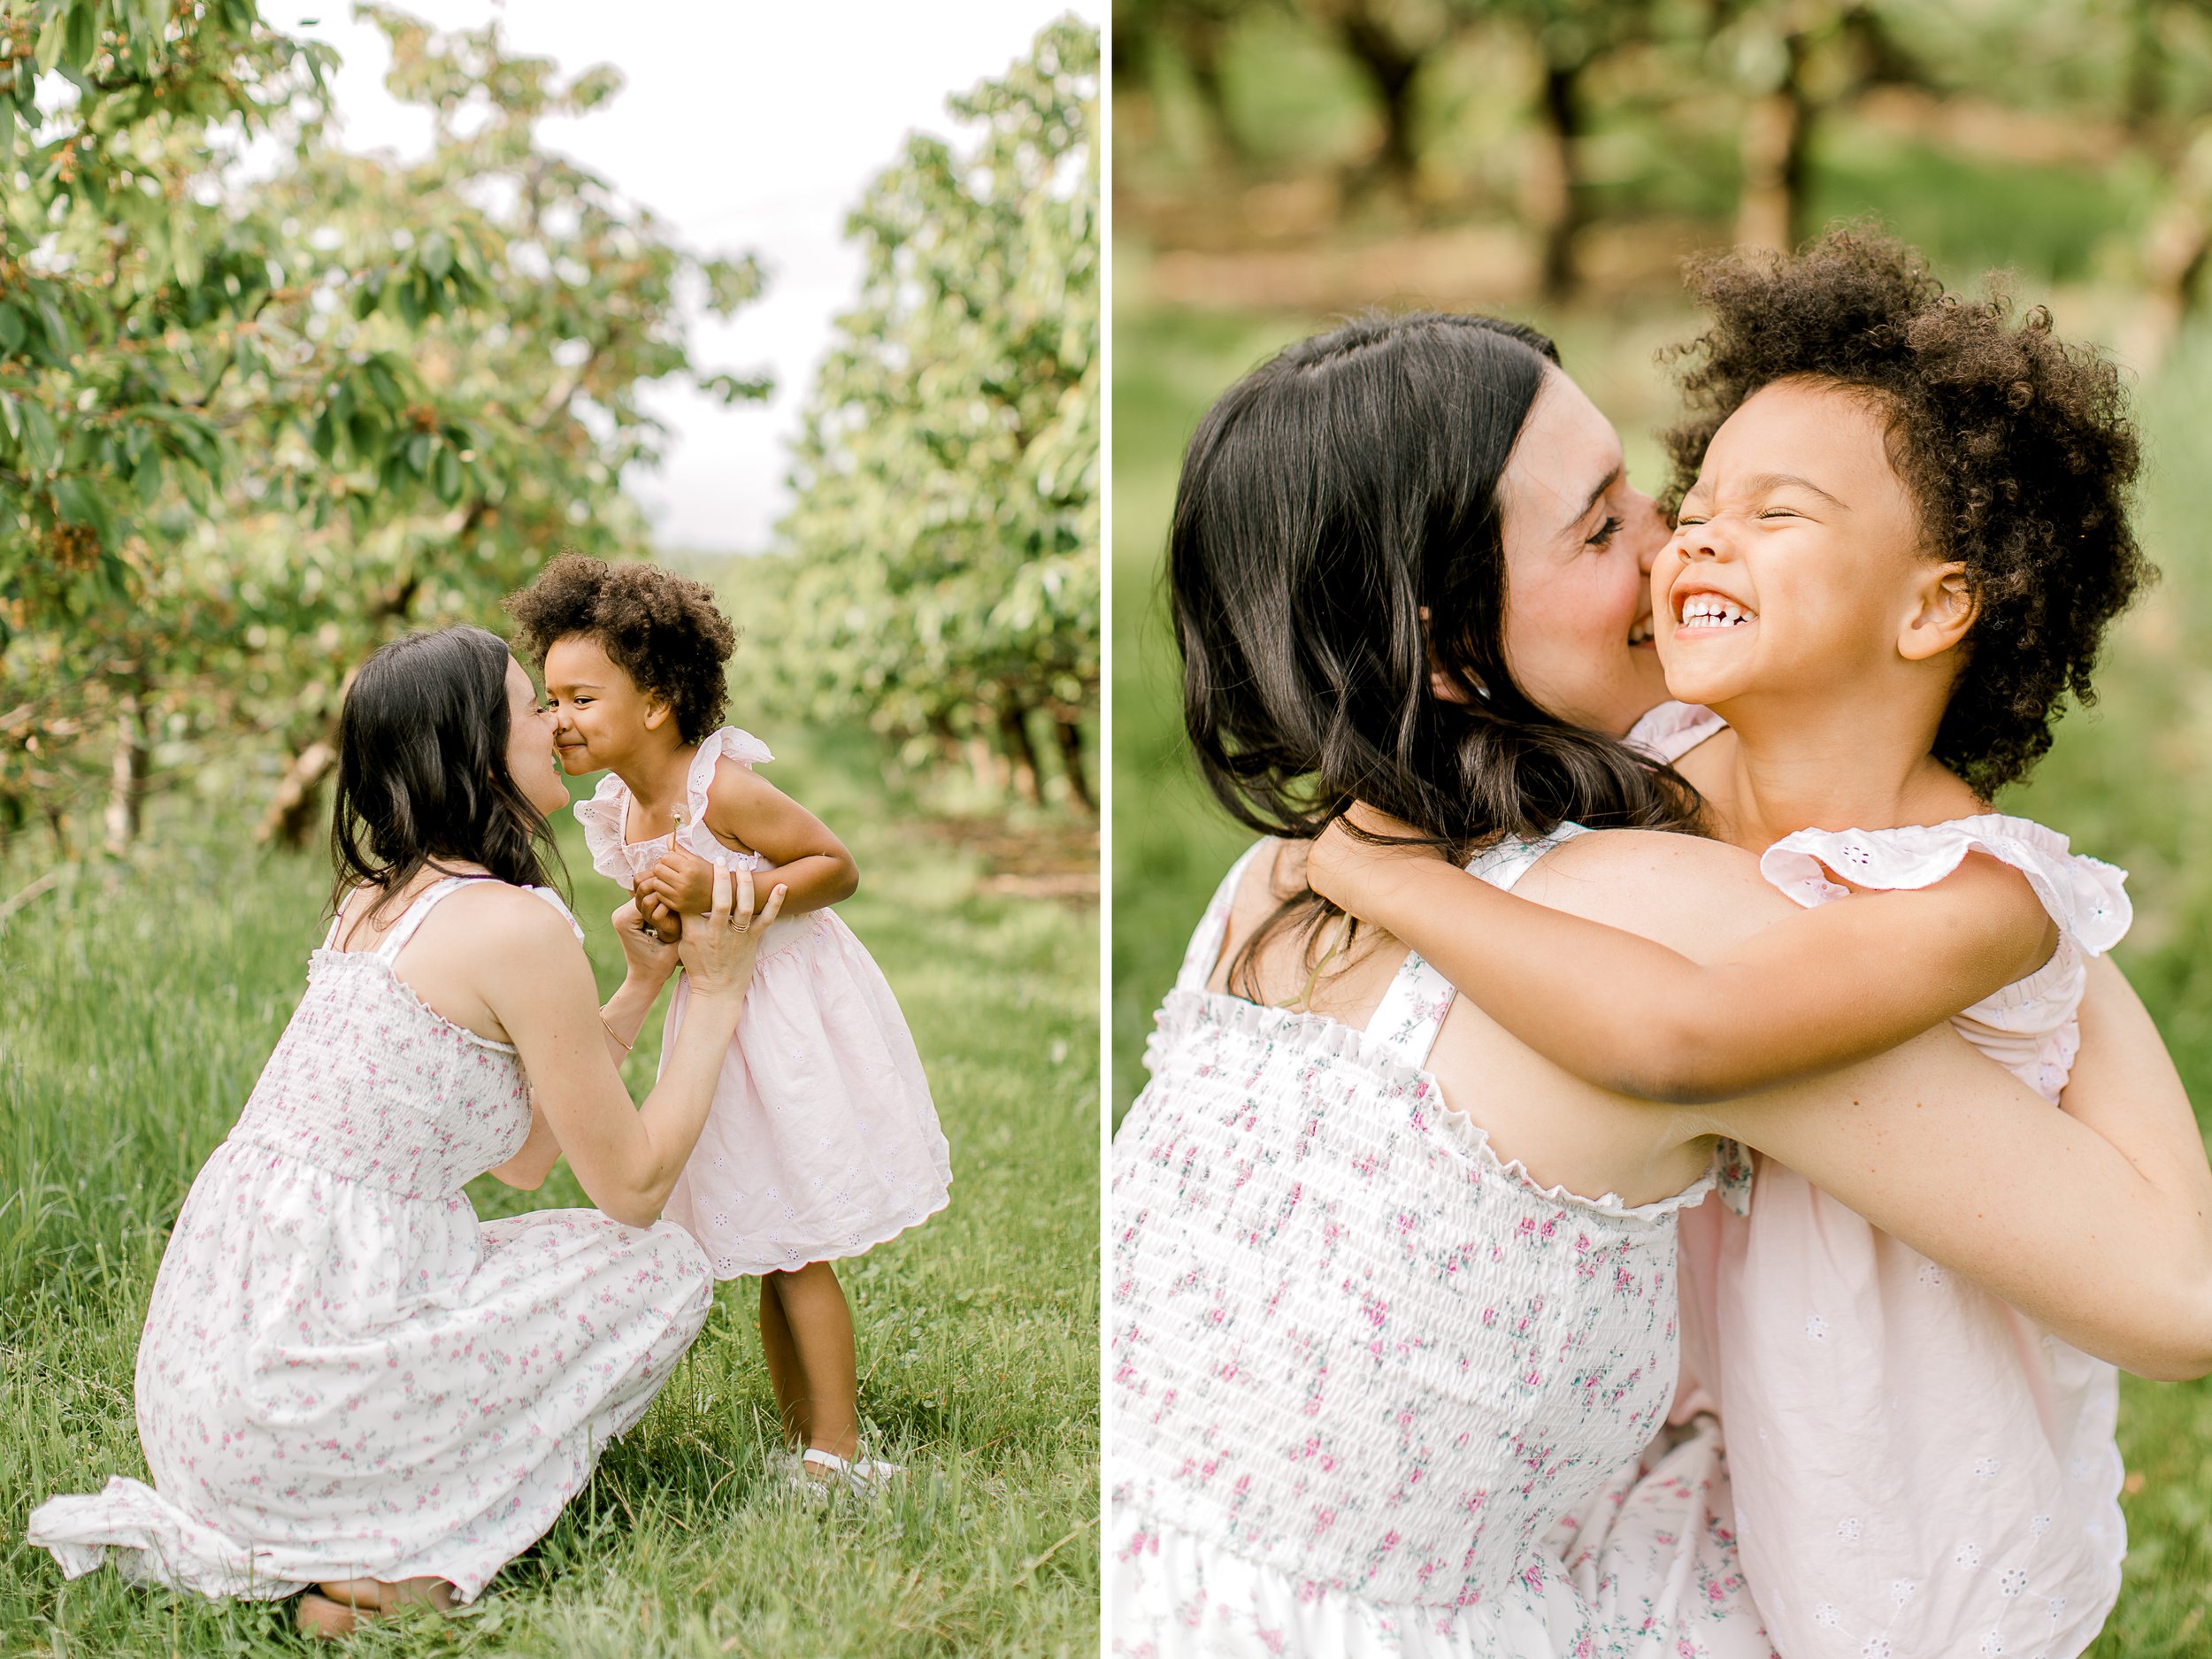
column 866, row 1475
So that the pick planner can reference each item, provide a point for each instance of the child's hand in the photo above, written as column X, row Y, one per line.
column 680, row 880
column 1340, row 863
column 650, row 955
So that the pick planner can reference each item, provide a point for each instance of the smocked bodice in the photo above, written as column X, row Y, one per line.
column 369, row 1083
column 1349, row 1342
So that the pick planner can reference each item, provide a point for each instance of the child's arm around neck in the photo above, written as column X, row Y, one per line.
column 1803, row 995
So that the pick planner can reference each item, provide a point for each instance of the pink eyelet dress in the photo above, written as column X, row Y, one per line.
column 343, row 1373
column 1360, row 1363
column 823, row 1141
column 1916, row 1469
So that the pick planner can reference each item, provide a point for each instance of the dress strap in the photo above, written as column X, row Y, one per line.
column 1412, row 1011
column 404, row 928
column 1205, row 950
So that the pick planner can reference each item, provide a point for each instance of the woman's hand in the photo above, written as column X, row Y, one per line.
column 1342, row 865
column 718, row 950
column 651, row 958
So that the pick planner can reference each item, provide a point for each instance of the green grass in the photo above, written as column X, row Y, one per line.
column 142, row 1002
column 2131, row 780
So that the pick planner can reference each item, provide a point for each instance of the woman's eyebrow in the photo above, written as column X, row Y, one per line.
column 1594, row 496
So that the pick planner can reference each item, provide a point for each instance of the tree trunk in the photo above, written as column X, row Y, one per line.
column 987, row 765
column 294, row 811
column 1776, row 130
column 1201, row 40
column 126, row 778
column 2180, row 242
column 1552, row 191
column 1069, row 736
column 1389, row 69
column 2141, row 100
column 1013, row 731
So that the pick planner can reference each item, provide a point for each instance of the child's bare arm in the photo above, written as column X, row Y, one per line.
column 746, row 811
column 1812, row 992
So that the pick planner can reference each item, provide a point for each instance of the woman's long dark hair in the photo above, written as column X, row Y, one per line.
column 422, row 769
column 1327, row 500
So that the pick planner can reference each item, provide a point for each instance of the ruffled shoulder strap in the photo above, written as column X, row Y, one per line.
column 1205, row 950
column 567, row 914
column 603, row 817
column 729, row 743
column 1672, row 730
column 2085, row 896
column 1411, row 1013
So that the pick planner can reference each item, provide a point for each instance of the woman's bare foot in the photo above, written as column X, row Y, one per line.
column 320, row 1615
column 337, row 1605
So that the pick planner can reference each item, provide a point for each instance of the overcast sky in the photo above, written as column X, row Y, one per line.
column 745, row 126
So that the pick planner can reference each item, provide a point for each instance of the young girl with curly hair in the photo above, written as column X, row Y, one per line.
column 823, row 1141
column 1903, row 530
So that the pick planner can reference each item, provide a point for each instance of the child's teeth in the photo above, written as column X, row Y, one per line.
column 1711, row 612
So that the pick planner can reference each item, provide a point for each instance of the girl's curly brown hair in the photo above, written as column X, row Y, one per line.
column 2016, row 447
column 659, row 628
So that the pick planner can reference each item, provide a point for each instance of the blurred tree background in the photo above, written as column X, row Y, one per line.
column 1281, row 163
column 942, row 577
column 266, row 403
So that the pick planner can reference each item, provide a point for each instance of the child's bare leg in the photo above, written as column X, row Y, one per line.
column 822, row 1334
column 785, row 1375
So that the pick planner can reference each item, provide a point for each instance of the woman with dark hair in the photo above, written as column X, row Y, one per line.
column 347, row 1384
column 1371, row 1343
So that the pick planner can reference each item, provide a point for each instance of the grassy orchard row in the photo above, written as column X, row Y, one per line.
column 253, row 425
column 143, row 1007
column 258, row 415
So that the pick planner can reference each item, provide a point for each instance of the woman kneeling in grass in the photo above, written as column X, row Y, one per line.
column 347, row 1384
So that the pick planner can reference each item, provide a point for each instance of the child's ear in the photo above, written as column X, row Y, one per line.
column 657, row 712
column 1944, row 610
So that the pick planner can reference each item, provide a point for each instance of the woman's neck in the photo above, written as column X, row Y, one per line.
column 1842, row 765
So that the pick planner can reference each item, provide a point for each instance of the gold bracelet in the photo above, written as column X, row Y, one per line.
column 612, row 1032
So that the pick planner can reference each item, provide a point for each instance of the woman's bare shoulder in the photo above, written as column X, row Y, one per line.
column 1692, row 895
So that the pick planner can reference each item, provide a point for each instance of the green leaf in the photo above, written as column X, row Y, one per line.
column 449, row 474
column 418, row 454
column 40, row 442
column 11, row 330
column 435, row 256
column 51, row 39
column 83, row 40
column 184, row 253
column 77, row 502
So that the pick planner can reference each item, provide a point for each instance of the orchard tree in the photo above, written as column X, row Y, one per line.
column 255, row 419
column 941, row 562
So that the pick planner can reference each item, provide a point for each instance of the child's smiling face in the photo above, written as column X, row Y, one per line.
column 1796, row 567
column 600, row 717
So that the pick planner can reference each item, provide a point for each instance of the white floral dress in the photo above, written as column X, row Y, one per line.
column 1360, row 1365
column 343, row 1374
column 824, row 1141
